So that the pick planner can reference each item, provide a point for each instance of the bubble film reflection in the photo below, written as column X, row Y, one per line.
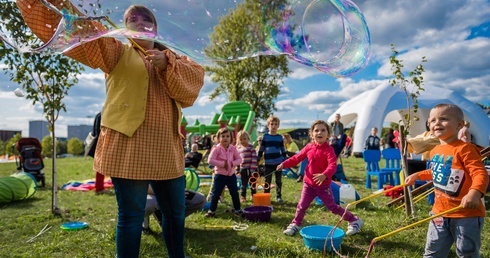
column 331, row 36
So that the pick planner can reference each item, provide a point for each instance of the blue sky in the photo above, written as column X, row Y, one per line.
column 454, row 35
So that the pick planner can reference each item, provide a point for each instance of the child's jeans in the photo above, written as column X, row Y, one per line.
column 220, row 181
column 443, row 232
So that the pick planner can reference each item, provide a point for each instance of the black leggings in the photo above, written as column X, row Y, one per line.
column 268, row 179
column 245, row 174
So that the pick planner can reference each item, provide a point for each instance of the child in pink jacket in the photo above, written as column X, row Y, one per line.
column 224, row 157
column 322, row 164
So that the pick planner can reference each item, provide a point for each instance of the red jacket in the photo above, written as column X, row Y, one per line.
column 321, row 159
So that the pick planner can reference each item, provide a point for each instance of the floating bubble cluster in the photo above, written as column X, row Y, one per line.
column 330, row 35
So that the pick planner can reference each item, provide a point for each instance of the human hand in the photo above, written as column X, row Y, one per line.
column 319, row 178
column 471, row 200
column 279, row 167
column 226, row 165
column 410, row 180
column 157, row 58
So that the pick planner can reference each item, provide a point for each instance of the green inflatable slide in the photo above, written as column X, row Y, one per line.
column 16, row 187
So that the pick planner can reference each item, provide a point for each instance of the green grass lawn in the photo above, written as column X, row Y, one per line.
column 205, row 237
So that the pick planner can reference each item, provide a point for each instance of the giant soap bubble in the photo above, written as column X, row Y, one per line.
column 330, row 35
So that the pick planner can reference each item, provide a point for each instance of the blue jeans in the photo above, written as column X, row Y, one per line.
column 464, row 232
column 220, row 181
column 131, row 200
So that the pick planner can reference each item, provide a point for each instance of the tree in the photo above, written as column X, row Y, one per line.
column 47, row 144
column 2, row 147
column 46, row 77
column 255, row 80
column 12, row 141
column 75, row 146
column 411, row 86
column 61, row 147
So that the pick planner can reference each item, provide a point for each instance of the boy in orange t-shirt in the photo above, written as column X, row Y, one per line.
column 460, row 179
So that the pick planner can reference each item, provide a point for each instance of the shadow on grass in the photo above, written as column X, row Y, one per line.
column 211, row 240
column 32, row 201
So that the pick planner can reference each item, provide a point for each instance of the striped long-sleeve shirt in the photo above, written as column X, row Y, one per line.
column 249, row 157
column 272, row 147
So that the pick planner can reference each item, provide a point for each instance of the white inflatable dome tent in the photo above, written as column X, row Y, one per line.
column 387, row 103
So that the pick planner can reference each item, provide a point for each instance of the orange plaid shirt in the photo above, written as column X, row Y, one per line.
column 154, row 152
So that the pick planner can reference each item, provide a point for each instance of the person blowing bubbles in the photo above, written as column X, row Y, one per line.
column 460, row 179
column 322, row 164
column 139, row 143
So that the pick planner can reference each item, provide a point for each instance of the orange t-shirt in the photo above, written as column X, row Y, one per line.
column 455, row 169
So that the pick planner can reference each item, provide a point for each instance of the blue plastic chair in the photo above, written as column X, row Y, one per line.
column 392, row 157
column 372, row 158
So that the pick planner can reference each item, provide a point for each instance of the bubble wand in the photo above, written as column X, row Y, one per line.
column 376, row 193
column 332, row 231
column 409, row 226
column 130, row 39
column 70, row 18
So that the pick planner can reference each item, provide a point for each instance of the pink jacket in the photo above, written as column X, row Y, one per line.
column 321, row 159
column 220, row 155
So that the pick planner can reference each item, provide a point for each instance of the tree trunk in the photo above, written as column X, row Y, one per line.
column 54, row 194
column 407, row 194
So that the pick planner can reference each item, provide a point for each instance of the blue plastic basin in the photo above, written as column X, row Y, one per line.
column 314, row 237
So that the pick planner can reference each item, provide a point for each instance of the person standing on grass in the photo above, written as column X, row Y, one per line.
column 249, row 163
column 373, row 142
column 337, row 127
column 460, row 179
column 273, row 151
column 321, row 167
column 390, row 139
column 139, row 142
column 224, row 157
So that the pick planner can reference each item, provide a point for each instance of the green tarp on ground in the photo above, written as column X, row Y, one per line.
column 16, row 187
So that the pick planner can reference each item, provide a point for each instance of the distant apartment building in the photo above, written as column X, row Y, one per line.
column 79, row 131
column 6, row 135
column 38, row 129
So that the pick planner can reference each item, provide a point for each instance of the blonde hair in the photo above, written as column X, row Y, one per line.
column 320, row 122
column 287, row 137
column 457, row 111
column 242, row 133
column 223, row 131
column 273, row 119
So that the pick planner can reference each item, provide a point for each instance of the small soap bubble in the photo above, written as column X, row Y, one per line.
column 19, row 93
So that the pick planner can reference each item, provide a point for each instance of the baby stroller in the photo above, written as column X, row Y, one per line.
column 30, row 158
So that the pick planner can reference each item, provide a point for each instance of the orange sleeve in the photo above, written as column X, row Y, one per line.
column 185, row 79
column 101, row 53
column 472, row 162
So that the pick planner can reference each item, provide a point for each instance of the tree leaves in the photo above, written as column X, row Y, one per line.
column 257, row 79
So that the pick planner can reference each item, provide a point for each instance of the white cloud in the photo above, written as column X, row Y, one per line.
column 432, row 28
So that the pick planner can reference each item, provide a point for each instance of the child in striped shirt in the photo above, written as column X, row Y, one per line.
column 249, row 162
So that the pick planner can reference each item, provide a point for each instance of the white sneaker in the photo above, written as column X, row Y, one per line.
column 354, row 227
column 291, row 229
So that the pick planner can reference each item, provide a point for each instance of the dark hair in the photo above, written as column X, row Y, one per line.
column 142, row 10
column 223, row 131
